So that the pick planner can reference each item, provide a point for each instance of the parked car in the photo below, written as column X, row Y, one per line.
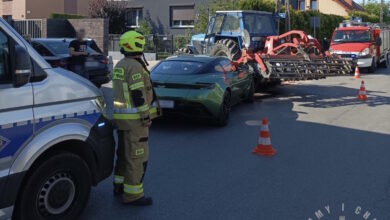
column 201, row 86
column 56, row 52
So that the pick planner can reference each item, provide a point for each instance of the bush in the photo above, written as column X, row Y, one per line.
column 64, row 16
column 180, row 41
column 144, row 28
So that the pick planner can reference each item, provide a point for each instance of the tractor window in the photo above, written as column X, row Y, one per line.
column 259, row 24
column 218, row 24
column 232, row 24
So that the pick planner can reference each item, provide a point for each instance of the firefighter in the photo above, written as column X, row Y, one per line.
column 135, row 105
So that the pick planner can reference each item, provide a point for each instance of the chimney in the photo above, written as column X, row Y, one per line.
column 349, row 2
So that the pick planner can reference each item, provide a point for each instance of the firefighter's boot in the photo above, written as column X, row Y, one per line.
column 144, row 201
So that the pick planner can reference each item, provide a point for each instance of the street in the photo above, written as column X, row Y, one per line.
column 333, row 157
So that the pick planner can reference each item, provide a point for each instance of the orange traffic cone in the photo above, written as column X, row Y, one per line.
column 357, row 72
column 362, row 92
column 264, row 147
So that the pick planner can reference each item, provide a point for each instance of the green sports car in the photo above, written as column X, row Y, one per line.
column 201, row 86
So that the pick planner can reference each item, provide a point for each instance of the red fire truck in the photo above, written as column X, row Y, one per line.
column 367, row 43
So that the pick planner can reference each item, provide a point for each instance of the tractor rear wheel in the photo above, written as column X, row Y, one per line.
column 226, row 48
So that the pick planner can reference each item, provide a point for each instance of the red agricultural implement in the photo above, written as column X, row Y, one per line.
column 250, row 38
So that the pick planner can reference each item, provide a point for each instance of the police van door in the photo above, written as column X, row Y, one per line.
column 16, row 115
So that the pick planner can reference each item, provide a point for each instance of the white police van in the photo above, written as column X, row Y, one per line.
column 54, row 139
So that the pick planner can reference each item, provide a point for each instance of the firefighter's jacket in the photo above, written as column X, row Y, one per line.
column 134, row 97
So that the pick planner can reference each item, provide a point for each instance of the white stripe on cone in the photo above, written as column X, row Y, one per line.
column 264, row 141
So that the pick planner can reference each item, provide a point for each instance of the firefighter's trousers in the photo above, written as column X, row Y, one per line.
column 132, row 158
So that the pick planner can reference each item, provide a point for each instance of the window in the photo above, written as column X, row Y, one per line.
column 182, row 16
column 232, row 24
column 173, row 67
column 5, row 75
column 134, row 17
column 218, row 24
column 261, row 24
column 301, row 5
column 313, row 5
column 41, row 49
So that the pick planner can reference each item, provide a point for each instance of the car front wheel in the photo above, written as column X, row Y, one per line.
column 58, row 188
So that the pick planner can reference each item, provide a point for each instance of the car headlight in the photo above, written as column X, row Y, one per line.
column 365, row 52
column 330, row 50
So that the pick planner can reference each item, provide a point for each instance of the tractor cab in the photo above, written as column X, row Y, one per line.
column 236, row 29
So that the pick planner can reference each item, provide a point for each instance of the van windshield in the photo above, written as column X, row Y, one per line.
column 342, row 36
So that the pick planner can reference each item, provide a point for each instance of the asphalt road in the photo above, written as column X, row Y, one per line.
column 333, row 154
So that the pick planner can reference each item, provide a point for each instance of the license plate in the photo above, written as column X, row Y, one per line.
column 91, row 64
column 167, row 103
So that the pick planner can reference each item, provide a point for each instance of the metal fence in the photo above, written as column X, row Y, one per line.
column 163, row 45
column 31, row 27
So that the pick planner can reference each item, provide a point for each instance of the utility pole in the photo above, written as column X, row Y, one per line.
column 381, row 14
column 277, row 11
column 287, row 7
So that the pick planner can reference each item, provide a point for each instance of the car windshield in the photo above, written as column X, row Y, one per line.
column 261, row 24
column 179, row 67
column 351, row 36
column 62, row 47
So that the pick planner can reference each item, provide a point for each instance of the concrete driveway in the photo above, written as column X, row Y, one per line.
column 333, row 159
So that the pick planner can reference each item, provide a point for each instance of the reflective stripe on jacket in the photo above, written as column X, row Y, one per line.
column 134, row 98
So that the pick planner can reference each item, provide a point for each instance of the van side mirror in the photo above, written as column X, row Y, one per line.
column 22, row 67
column 379, row 41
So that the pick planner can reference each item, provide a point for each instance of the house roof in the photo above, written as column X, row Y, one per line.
column 346, row 5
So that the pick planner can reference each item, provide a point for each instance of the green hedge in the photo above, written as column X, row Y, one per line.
column 367, row 17
column 300, row 20
column 64, row 16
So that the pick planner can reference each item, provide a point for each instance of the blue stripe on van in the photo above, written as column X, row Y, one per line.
column 14, row 136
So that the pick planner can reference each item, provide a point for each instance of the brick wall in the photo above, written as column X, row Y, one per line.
column 96, row 29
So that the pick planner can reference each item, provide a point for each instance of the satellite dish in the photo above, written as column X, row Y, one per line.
column 246, row 39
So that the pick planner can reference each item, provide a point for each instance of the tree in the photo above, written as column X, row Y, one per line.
column 258, row 5
column 203, row 11
column 115, row 11
column 144, row 28
column 372, row 11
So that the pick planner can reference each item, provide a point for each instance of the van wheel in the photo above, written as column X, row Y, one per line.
column 373, row 66
column 58, row 188
column 386, row 62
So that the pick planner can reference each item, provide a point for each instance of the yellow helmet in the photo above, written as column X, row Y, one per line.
column 132, row 42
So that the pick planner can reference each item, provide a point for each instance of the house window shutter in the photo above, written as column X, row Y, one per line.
column 183, row 13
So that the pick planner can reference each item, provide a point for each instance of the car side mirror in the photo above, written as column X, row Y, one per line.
column 379, row 41
column 22, row 67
